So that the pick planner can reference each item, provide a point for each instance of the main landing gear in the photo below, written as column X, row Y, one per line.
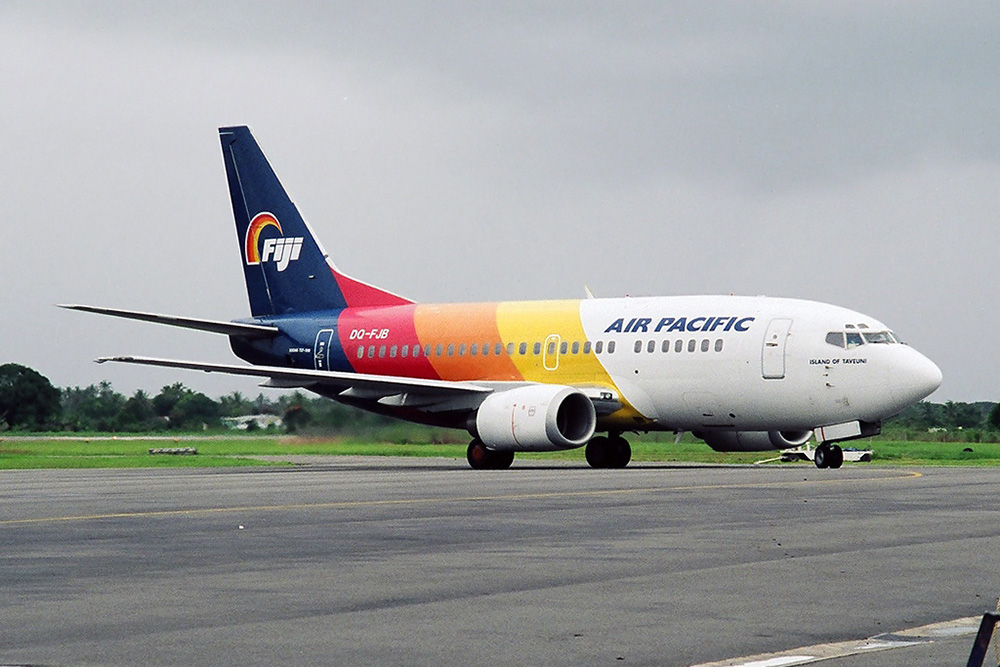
column 828, row 456
column 482, row 458
column 610, row 452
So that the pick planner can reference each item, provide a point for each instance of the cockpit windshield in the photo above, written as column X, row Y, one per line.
column 852, row 339
column 879, row 337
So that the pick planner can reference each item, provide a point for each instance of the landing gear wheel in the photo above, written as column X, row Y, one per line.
column 821, row 456
column 828, row 456
column 478, row 455
column 836, row 456
column 598, row 452
column 621, row 453
column 481, row 458
column 502, row 460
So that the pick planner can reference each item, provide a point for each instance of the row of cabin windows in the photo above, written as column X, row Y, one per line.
column 678, row 345
column 475, row 349
column 565, row 347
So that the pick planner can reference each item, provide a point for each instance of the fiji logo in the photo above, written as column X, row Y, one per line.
column 278, row 249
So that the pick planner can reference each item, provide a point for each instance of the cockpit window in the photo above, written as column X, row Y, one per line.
column 855, row 338
column 878, row 337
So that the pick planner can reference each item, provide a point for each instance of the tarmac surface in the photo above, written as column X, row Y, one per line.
column 366, row 561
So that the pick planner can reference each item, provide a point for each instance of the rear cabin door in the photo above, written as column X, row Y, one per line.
column 321, row 349
column 772, row 360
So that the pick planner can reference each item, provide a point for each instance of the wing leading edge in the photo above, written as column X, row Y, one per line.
column 385, row 389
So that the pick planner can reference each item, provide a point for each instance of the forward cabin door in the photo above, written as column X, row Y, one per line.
column 772, row 360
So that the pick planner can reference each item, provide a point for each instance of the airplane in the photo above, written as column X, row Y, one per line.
column 741, row 373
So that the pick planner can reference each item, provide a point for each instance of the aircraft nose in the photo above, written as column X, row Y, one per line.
column 915, row 377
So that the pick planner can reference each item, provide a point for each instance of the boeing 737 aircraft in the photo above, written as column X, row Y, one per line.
column 741, row 373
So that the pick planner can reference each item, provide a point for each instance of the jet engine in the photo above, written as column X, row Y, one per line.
column 754, row 441
column 540, row 417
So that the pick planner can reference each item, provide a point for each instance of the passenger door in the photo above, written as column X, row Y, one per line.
column 772, row 360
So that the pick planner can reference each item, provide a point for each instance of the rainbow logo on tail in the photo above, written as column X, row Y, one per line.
column 280, row 250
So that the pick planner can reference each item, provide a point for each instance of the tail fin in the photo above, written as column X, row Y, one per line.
column 287, row 271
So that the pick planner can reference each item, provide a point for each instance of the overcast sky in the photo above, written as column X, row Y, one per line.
column 846, row 152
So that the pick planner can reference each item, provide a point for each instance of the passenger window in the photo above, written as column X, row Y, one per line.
column 651, row 346
column 611, row 347
column 416, row 351
column 523, row 348
column 599, row 347
column 679, row 346
column 536, row 348
column 393, row 350
column 666, row 346
column 381, row 352
column 835, row 338
column 461, row 350
column 361, row 351
column 718, row 345
column 427, row 350
column 498, row 349
column 704, row 345
column 451, row 349
column 586, row 347
column 576, row 347
column 563, row 348
column 638, row 346
column 510, row 349
column 474, row 349
column 552, row 348
column 854, row 339
column 439, row 350
column 405, row 351
column 371, row 351
column 692, row 344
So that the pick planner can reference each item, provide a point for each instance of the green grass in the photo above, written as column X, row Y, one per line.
column 123, row 452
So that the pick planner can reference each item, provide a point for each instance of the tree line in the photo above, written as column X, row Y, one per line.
column 29, row 402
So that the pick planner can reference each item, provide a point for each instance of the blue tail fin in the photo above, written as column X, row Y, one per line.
column 286, row 269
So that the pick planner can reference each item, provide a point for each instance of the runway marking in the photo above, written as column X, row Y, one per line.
column 820, row 652
column 442, row 500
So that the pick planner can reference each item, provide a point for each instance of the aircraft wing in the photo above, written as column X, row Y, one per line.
column 432, row 395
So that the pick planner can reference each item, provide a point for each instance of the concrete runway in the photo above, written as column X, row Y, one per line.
column 357, row 561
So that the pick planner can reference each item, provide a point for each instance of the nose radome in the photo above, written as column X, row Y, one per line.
column 914, row 377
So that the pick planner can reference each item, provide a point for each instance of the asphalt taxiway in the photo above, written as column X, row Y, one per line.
column 354, row 561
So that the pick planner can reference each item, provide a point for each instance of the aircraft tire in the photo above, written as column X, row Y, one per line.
column 621, row 453
column 836, row 456
column 598, row 452
column 481, row 458
column 502, row 460
column 821, row 457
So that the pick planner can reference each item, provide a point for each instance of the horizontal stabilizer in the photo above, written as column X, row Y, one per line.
column 215, row 326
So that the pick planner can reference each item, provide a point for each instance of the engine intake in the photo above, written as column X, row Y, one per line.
column 754, row 441
column 535, row 418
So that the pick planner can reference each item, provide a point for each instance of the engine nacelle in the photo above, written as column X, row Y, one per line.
column 754, row 441
column 536, row 418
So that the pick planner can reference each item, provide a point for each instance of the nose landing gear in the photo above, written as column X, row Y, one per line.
column 828, row 456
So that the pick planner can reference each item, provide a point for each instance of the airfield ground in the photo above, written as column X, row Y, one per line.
column 359, row 560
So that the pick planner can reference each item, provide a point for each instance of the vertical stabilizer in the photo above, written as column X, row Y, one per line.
column 286, row 269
